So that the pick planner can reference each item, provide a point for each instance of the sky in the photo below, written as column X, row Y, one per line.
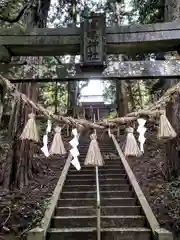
column 94, row 88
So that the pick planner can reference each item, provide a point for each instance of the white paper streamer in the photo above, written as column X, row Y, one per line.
column 49, row 126
column 74, row 132
column 74, row 151
column 74, row 142
column 76, row 164
column 141, row 130
column 44, row 149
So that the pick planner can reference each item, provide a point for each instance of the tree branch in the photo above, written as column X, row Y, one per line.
column 58, row 60
column 17, row 18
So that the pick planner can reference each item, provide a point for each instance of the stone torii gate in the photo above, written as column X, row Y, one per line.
column 129, row 40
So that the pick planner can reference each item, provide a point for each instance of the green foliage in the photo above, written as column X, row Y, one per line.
column 150, row 11
column 111, row 116
column 109, row 92
column 138, row 94
column 47, row 96
column 53, row 95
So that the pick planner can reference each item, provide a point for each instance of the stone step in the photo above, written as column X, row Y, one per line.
column 108, row 153
column 74, row 221
column 112, row 176
column 109, row 166
column 118, row 201
column 115, row 187
column 121, row 210
column 104, row 143
column 111, row 221
column 72, row 211
column 114, row 194
column 126, row 234
column 92, row 176
column 81, row 159
column 106, row 234
column 100, row 143
column 101, row 171
column 112, row 163
column 107, row 163
column 92, row 169
column 76, row 202
column 72, row 233
column 102, row 147
column 93, row 181
column 103, row 187
column 68, row 202
column 85, row 194
column 113, row 181
column 91, row 210
column 103, row 152
column 92, row 194
column 91, row 221
column 114, row 170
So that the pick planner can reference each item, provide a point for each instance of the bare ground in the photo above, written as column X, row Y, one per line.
column 163, row 196
column 21, row 211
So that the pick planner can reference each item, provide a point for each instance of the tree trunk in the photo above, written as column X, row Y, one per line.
column 172, row 146
column 56, row 99
column 173, row 108
column 72, row 98
column 140, row 95
column 4, row 54
column 131, row 97
column 2, row 93
column 121, row 100
column 20, row 165
column 72, row 94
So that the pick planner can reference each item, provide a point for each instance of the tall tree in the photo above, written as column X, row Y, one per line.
column 19, row 165
column 121, row 100
column 159, row 11
column 173, row 107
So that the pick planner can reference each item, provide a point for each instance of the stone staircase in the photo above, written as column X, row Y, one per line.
column 121, row 216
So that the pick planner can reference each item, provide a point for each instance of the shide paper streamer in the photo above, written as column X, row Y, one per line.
column 141, row 130
column 74, row 151
column 44, row 149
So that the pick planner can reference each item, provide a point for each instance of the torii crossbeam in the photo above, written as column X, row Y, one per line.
column 159, row 37
column 122, row 70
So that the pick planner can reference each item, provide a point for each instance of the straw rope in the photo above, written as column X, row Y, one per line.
column 68, row 120
column 155, row 110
